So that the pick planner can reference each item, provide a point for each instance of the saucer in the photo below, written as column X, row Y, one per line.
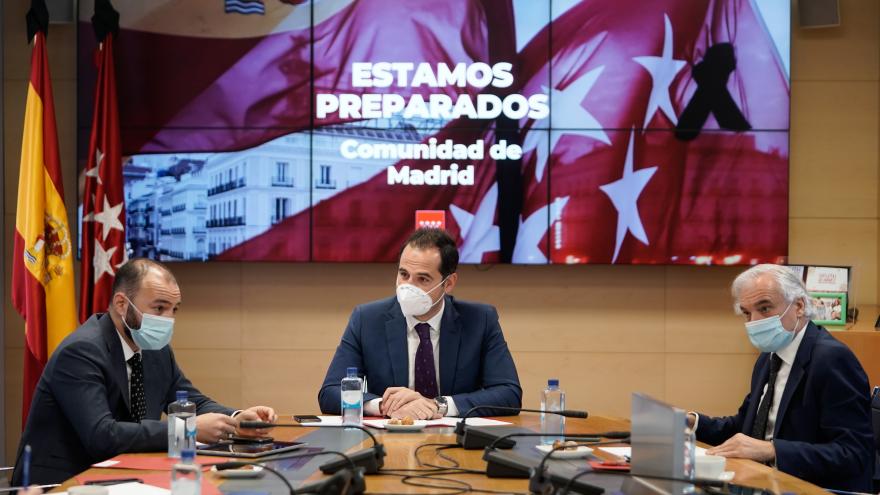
column 580, row 452
column 418, row 426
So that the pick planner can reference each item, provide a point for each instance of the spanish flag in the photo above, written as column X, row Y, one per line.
column 42, row 267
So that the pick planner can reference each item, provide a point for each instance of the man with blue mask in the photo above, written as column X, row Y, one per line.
column 808, row 412
column 105, row 387
column 423, row 353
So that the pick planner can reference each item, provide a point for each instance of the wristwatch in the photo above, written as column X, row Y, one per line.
column 442, row 406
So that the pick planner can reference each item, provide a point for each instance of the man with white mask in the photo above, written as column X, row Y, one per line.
column 423, row 353
column 808, row 412
column 107, row 384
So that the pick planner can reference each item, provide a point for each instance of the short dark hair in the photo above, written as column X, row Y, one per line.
column 425, row 238
column 130, row 275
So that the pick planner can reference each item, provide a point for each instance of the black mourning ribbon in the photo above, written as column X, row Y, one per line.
column 711, row 75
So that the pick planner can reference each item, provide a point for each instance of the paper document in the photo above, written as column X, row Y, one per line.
column 448, row 421
column 627, row 451
column 134, row 489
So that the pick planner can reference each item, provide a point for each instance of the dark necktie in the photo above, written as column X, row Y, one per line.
column 759, row 428
column 425, row 375
column 138, row 399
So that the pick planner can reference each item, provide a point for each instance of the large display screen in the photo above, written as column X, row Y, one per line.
column 534, row 131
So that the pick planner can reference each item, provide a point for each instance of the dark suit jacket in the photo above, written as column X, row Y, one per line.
column 475, row 365
column 823, row 426
column 80, row 411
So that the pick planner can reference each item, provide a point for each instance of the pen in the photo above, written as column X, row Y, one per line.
column 26, row 466
column 116, row 481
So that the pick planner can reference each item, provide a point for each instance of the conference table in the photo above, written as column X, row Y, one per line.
column 402, row 449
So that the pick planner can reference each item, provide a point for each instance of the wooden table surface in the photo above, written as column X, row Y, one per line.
column 401, row 448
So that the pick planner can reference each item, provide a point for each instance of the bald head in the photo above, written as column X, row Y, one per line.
column 130, row 277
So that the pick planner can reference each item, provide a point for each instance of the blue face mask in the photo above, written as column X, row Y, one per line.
column 155, row 331
column 768, row 335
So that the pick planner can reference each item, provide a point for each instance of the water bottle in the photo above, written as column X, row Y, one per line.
column 552, row 425
column 352, row 398
column 181, row 425
column 689, row 460
column 186, row 475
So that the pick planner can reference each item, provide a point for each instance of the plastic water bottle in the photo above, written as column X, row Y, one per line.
column 352, row 393
column 186, row 475
column 552, row 425
column 689, row 460
column 181, row 425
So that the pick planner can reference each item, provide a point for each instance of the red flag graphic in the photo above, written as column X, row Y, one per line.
column 103, row 226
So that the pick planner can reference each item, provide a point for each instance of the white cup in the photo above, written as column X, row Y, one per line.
column 709, row 466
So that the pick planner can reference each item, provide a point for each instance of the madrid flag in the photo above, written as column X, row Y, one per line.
column 42, row 268
column 103, row 231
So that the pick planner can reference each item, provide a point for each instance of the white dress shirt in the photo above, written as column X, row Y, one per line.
column 127, row 353
column 371, row 408
column 787, row 355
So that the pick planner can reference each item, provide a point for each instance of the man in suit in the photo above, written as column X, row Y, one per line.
column 423, row 353
column 808, row 411
column 105, row 387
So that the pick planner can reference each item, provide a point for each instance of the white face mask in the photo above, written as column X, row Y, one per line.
column 414, row 301
column 155, row 331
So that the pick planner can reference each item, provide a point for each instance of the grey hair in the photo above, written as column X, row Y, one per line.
column 790, row 285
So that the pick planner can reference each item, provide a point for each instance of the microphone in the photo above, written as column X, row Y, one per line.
column 501, row 466
column 541, row 480
column 552, row 483
column 371, row 459
column 349, row 481
column 473, row 438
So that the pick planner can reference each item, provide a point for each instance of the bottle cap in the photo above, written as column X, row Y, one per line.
column 553, row 382
column 351, row 371
column 182, row 395
column 187, row 455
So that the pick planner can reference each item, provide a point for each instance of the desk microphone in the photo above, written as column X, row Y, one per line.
column 473, row 438
column 541, row 480
column 501, row 466
column 348, row 481
column 371, row 459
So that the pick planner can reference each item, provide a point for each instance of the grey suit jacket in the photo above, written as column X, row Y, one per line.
column 80, row 412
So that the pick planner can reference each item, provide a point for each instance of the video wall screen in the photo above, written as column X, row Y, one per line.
column 534, row 131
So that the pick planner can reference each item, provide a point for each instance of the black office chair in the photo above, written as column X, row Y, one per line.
column 875, row 420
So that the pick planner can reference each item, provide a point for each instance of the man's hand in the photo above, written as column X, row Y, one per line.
column 745, row 447
column 256, row 413
column 418, row 409
column 396, row 397
column 213, row 427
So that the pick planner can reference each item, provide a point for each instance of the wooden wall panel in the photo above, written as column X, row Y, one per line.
column 600, row 382
column 834, row 169
column 839, row 241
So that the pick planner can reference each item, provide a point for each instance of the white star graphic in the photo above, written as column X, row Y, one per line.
column 624, row 194
column 109, row 217
column 478, row 231
column 124, row 258
column 90, row 216
column 663, row 70
column 101, row 261
column 94, row 171
column 532, row 231
column 574, row 118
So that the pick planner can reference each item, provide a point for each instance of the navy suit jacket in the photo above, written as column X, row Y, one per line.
column 80, row 413
column 823, row 427
column 475, row 365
